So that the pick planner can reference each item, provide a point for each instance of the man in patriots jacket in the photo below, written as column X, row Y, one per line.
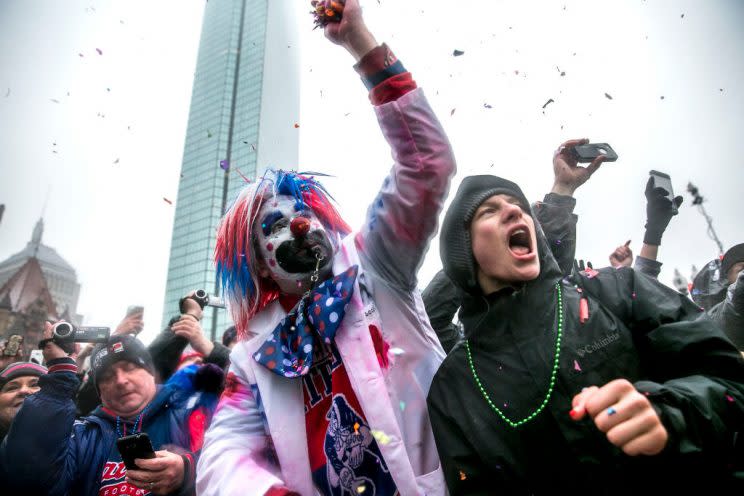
column 329, row 397
column 47, row 451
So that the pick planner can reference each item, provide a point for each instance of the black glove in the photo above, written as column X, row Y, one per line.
column 659, row 211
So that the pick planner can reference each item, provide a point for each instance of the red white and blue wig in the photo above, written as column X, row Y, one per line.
column 235, row 254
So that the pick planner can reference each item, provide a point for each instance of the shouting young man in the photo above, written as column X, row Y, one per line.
column 602, row 383
column 329, row 394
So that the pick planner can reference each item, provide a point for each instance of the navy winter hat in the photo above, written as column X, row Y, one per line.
column 20, row 369
column 119, row 347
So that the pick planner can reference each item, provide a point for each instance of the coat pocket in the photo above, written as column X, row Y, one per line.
column 432, row 484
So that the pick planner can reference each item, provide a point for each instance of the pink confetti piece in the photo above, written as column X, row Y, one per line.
column 729, row 398
column 241, row 175
column 577, row 367
column 591, row 273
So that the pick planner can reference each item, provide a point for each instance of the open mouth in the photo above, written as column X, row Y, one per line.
column 520, row 241
column 300, row 256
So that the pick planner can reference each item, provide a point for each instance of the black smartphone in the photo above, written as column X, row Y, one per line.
column 663, row 181
column 590, row 151
column 134, row 446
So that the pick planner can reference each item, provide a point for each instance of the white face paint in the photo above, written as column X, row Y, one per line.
column 288, row 260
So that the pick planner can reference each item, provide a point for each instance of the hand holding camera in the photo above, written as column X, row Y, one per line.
column 568, row 174
column 64, row 335
column 50, row 348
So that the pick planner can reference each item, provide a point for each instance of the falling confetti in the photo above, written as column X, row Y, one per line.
column 563, row 73
column 729, row 398
column 209, row 133
column 397, row 351
column 54, row 100
column 402, row 406
column 457, row 53
column 548, row 102
column 577, row 367
column 380, row 437
column 296, row 125
column 453, row 112
column 356, row 427
column 116, row 161
column 682, row 16
column 662, row 97
column 225, row 165
column 485, row 105
column 100, row 52
column 608, row 96
column 462, row 474
column 241, row 175
column 166, row 200
column 361, row 488
column 81, row 55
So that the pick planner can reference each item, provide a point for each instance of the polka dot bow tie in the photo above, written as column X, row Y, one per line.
column 288, row 351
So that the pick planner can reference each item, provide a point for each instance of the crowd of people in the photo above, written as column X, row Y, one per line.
column 516, row 371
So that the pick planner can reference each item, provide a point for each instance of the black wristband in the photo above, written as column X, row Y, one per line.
column 388, row 72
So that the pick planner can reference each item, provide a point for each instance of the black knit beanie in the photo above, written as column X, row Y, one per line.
column 119, row 347
column 455, row 246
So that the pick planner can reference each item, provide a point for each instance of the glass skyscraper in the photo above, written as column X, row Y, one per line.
column 244, row 106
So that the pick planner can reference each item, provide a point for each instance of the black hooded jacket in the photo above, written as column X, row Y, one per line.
column 636, row 329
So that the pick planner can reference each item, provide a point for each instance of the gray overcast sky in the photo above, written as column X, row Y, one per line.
column 130, row 104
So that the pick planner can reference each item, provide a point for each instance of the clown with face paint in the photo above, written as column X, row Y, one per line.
column 320, row 309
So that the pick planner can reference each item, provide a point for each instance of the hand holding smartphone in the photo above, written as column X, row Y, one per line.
column 588, row 152
column 132, row 323
column 134, row 446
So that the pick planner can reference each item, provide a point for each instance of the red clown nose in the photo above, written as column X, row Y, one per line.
column 299, row 226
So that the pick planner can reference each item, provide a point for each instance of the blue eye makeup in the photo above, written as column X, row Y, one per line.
column 269, row 221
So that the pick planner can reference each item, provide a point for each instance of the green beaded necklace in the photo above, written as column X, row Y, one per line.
column 559, row 312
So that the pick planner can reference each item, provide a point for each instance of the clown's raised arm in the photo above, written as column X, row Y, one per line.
column 335, row 342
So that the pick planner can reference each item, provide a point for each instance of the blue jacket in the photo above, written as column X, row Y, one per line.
column 49, row 452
